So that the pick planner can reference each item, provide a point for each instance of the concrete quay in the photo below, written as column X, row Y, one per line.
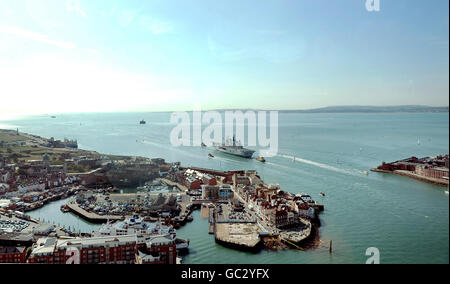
column 435, row 181
column 181, row 187
column 297, row 236
column 242, row 236
column 91, row 217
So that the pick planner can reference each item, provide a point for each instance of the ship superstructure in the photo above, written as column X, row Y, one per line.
column 234, row 148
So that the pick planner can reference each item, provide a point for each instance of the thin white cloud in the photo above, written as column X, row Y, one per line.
column 274, row 52
column 16, row 31
column 271, row 32
column 125, row 18
column 156, row 26
column 74, row 6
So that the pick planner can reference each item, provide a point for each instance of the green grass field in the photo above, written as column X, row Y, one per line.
column 24, row 153
column 8, row 136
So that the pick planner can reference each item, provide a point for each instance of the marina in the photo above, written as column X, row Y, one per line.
column 302, row 177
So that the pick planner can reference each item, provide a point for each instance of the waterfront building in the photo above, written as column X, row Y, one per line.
column 119, row 249
column 304, row 210
column 217, row 192
column 225, row 192
column 158, row 161
column 96, row 250
column 210, row 192
column 241, row 179
column 427, row 171
column 208, row 179
column 284, row 218
column 163, row 248
column 192, row 183
column 13, row 254
column 23, row 188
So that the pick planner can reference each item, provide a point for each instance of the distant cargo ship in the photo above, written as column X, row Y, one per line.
column 234, row 149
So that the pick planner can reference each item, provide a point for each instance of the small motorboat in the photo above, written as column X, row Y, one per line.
column 203, row 144
column 261, row 159
column 210, row 155
column 189, row 218
column 322, row 193
column 142, row 122
column 65, row 209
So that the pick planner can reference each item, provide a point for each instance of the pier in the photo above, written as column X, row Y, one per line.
column 91, row 217
column 243, row 236
column 212, row 221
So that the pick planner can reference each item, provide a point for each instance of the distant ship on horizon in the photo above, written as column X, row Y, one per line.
column 234, row 149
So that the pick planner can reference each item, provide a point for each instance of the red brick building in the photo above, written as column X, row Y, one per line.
column 13, row 254
column 97, row 250
column 104, row 250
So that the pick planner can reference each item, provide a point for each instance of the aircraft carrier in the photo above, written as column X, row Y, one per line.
column 234, row 149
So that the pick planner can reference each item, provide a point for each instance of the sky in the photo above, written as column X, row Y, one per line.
column 164, row 55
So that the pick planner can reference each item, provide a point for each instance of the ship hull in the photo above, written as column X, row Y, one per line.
column 243, row 154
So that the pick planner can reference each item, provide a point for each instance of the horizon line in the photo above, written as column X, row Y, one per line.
column 13, row 116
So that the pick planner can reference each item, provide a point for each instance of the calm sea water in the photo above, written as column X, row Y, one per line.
column 407, row 220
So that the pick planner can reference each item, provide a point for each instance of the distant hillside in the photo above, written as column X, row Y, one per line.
column 360, row 109
column 372, row 109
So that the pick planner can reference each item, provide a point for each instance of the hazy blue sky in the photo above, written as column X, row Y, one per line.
column 58, row 56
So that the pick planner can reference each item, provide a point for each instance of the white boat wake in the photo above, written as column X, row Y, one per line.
column 320, row 165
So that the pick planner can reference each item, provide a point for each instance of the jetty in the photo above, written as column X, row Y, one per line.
column 242, row 236
column 89, row 216
column 180, row 187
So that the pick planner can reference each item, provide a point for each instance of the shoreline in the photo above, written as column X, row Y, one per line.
column 433, row 181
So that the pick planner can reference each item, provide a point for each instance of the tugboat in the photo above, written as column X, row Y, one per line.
column 142, row 122
column 261, row 159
